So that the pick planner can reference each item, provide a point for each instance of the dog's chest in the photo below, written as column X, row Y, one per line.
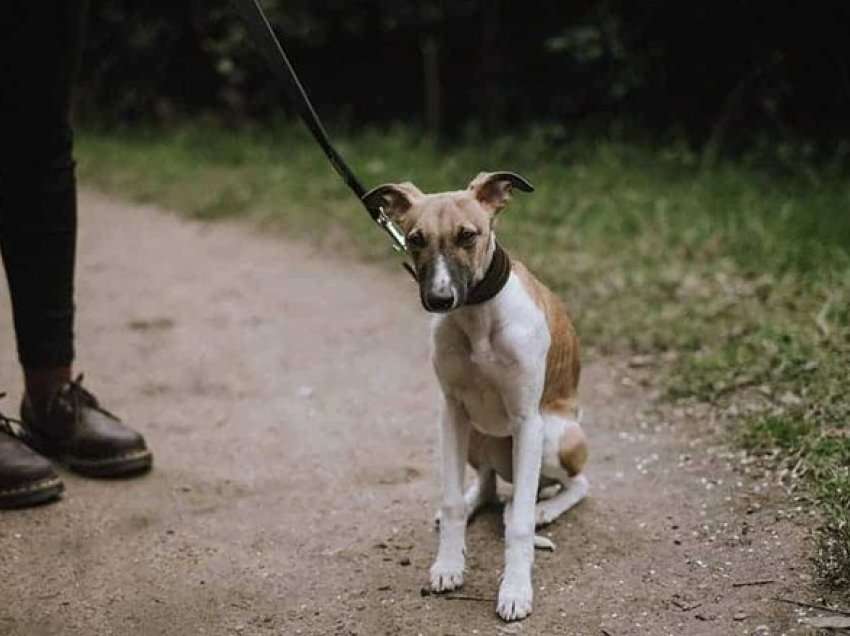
column 476, row 378
column 483, row 354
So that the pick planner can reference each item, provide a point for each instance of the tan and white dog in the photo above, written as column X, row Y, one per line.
column 507, row 360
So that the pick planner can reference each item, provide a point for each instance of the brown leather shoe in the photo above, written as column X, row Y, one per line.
column 26, row 479
column 76, row 431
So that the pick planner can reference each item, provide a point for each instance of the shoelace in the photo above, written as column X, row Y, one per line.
column 81, row 397
column 10, row 425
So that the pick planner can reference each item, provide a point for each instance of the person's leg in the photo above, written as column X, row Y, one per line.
column 38, row 214
column 38, row 45
column 38, row 227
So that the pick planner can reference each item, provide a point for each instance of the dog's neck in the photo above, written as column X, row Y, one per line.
column 481, row 320
column 495, row 277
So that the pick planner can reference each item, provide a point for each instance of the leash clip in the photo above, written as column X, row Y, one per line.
column 399, row 242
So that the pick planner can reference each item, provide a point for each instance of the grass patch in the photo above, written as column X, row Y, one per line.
column 740, row 275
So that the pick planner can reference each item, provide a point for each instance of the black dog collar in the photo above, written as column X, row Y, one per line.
column 494, row 279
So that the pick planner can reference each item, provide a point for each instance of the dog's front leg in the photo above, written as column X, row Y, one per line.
column 447, row 571
column 516, row 593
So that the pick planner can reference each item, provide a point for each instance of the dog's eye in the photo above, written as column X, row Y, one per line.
column 466, row 236
column 416, row 240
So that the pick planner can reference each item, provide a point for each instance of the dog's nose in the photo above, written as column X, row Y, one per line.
column 439, row 301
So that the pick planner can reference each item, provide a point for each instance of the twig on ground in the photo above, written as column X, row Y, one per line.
column 748, row 583
column 468, row 597
column 685, row 607
column 823, row 608
column 455, row 597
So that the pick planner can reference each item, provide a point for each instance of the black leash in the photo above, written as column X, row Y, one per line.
column 266, row 40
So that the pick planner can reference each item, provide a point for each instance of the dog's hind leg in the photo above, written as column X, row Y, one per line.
column 564, row 457
column 481, row 492
column 549, row 510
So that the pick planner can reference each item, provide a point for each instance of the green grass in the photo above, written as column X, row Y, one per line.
column 738, row 274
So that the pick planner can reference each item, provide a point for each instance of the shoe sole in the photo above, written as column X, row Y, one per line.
column 126, row 465
column 33, row 494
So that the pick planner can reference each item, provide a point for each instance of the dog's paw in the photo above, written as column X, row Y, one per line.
column 514, row 601
column 446, row 576
column 543, row 515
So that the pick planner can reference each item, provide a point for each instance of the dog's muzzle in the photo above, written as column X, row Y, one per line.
column 442, row 286
column 439, row 302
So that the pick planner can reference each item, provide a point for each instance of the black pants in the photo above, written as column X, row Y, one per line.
column 40, row 42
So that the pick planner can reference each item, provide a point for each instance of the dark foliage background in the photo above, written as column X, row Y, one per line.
column 696, row 70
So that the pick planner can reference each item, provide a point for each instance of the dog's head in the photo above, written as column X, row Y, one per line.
column 450, row 235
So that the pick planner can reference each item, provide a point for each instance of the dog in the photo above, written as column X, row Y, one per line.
column 506, row 357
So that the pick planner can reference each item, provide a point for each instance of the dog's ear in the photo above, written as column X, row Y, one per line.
column 493, row 189
column 395, row 198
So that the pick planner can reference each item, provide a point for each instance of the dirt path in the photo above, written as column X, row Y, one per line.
column 290, row 402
